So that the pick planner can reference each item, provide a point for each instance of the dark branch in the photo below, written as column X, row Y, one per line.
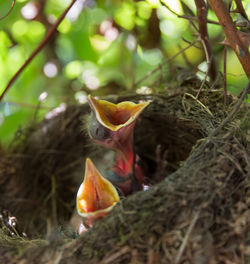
column 224, row 80
column 12, row 6
column 196, row 19
column 38, row 49
column 241, row 9
column 202, row 21
column 239, row 47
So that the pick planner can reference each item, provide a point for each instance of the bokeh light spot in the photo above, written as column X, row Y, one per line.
column 111, row 34
column 50, row 69
column 42, row 96
column 73, row 69
column 90, row 79
column 29, row 11
column 144, row 90
column 75, row 10
column 105, row 25
column 81, row 97
column 153, row 3
column 92, row 82
column 167, row 27
column 131, row 42
column 19, row 28
column 173, row 5
column 144, row 10
column 125, row 16
column 56, row 111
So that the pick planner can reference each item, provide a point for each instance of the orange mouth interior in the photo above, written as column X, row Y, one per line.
column 115, row 116
column 96, row 194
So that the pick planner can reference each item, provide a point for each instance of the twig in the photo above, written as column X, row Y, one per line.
column 241, row 9
column 165, row 62
column 194, row 26
column 53, row 200
column 12, row 6
column 171, row 10
column 224, row 79
column 239, row 47
column 184, row 242
column 208, row 59
column 189, row 42
column 233, row 112
column 199, row 102
column 116, row 255
column 187, row 17
column 196, row 19
column 186, row 8
column 202, row 21
column 186, row 58
column 208, row 68
column 20, row 104
column 38, row 49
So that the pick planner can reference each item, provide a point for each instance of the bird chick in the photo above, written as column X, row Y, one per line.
column 112, row 126
column 96, row 196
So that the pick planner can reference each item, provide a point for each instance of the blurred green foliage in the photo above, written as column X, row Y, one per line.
column 101, row 47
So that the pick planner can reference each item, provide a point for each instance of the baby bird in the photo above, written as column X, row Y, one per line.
column 112, row 126
column 95, row 197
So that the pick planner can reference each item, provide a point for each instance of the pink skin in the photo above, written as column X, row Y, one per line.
column 122, row 142
column 126, row 173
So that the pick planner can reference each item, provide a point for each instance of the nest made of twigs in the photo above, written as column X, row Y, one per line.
column 198, row 212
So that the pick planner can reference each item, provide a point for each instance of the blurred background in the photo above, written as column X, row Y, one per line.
column 102, row 47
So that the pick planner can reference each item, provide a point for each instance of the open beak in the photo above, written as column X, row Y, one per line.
column 115, row 116
column 96, row 195
column 112, row 126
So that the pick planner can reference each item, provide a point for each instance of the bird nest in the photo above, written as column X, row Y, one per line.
column 196, row 210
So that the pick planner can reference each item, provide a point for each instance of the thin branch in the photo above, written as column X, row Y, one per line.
column 171, row 10
column 224, row 79
column 165, row 62
column 202, row 21
column 12, row 6
column 233, row 112
column 189, row 42
column 239, row 47
column 229, row 5
column 208, row 68
column 194, row 26
column 38, row 49
column 186, row 9
column 191, row 66
column 186, row 238
column 20, row 104
column 241, row 9
column 187, row 17
column 196, row 19
column 208, row 59
column 198, row 101
column 115, row 256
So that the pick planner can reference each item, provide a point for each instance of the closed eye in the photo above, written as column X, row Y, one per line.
column 97, row 131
